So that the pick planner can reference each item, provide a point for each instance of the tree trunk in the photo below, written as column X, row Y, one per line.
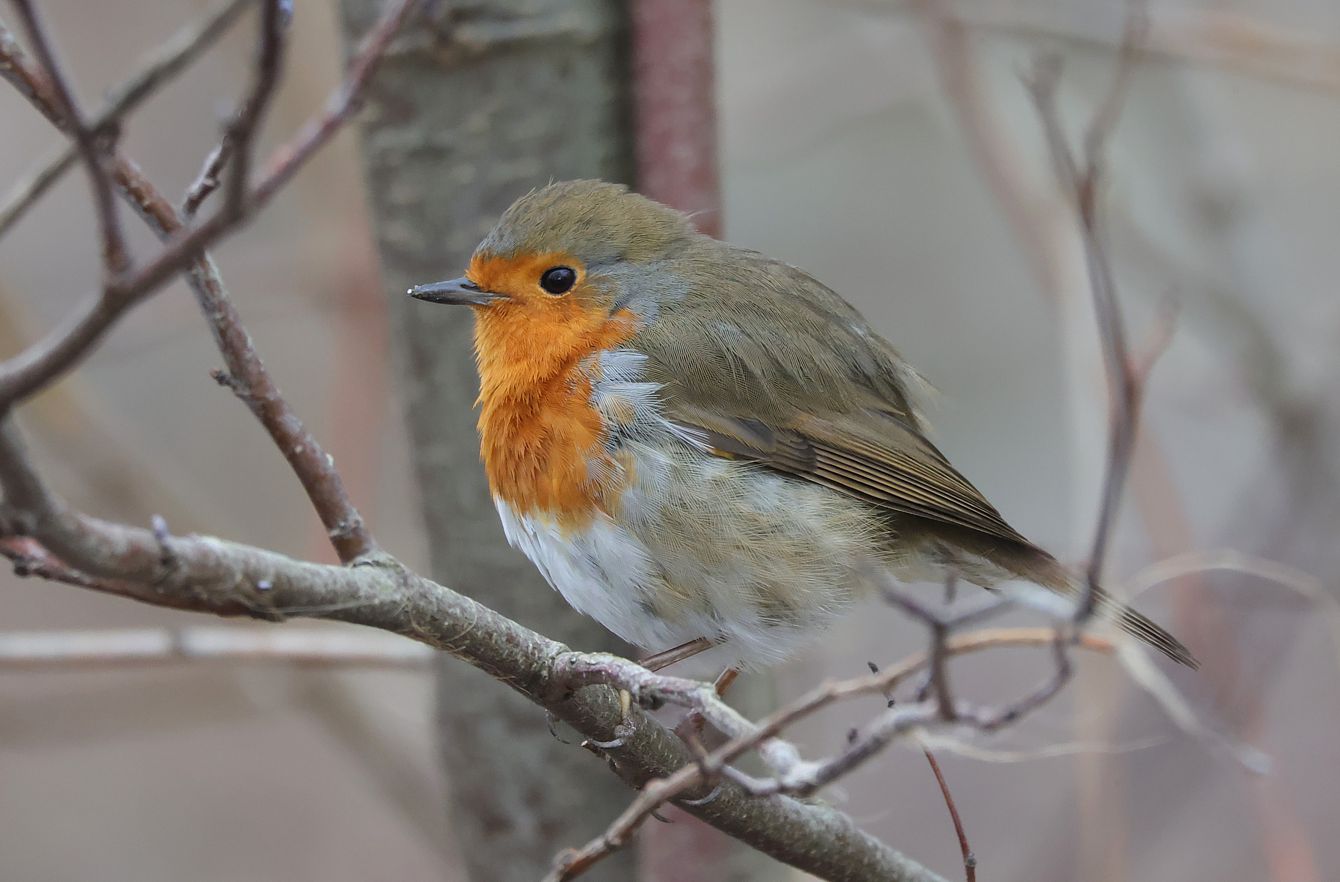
column 478, row 103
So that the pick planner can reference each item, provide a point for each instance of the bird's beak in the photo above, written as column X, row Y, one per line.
column 460, row 292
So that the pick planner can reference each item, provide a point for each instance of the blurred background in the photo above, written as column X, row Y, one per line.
column 891, row 151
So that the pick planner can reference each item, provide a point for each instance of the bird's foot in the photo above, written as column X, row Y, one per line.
column 623, row 731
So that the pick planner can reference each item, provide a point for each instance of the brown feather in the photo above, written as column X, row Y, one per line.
column 911, row 479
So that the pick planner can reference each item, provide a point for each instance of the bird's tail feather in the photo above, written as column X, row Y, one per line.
column 1048, row 572
column 1138, row 625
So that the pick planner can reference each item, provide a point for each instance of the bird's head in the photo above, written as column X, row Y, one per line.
column 571, row 253
column 570, row 270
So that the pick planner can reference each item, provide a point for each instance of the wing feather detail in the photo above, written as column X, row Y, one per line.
column 904, row 473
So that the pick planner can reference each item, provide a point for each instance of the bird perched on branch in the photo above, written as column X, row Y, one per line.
column 700, row 446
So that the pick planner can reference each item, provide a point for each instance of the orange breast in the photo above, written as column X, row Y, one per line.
column 541, row 438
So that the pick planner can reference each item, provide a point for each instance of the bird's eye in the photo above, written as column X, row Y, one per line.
column 558, row 279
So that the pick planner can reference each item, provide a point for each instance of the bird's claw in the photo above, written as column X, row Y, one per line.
column 613, row 744
column 551, row 720
column 715, row 792
column 622, row 732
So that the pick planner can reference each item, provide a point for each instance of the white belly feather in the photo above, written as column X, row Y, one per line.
column 603, row 572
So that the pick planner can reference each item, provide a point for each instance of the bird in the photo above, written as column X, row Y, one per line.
column 705, row 449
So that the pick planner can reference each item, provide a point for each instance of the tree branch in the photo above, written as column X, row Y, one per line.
column 212, row 575
column 286, row 161
column 792, row 774
column 92, row 145
column 165, row 63
column 104, row 650
column 237, row 137
column 1081, row 183
column 1239, row 42
column 23, row 374
column 246, row 374
column 969, row 860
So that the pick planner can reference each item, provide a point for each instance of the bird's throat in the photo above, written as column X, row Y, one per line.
column 541, row 438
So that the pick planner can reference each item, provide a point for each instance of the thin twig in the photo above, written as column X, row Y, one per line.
column 92, row 147
column 1040, row 215
column 969, row 859
column 26, row 193
column 1003, row 164
column 165, row 63
column 288, row 159
column 793, row 775
column 1036, row 213
column 937, row 680
column 1134, row 35
column 995, row 152
column 41, row 363
column 571, row 863
column 993, row 719
column 236, row 143
column 1241, row 42
column 1081, row 184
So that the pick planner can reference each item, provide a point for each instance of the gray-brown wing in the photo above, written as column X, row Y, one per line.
column 885, row 463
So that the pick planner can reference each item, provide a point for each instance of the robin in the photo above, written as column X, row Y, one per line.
column 702, row 447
